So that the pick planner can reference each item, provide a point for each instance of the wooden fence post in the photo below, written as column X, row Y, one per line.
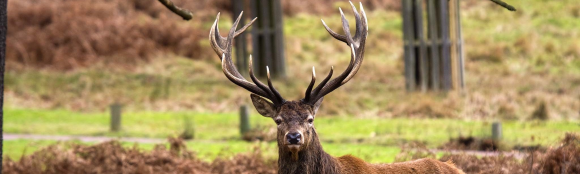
column 188, row 128
column 244, row 119
column 409, row 41
column 115, row 117
column 496, row 132
column 459, row 42
column 434, row 40
column 423, row 68
column 446, row 45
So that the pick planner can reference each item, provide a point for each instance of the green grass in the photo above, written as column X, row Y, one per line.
column 17, row 148
column 219, row 127
column 208, row 151
column 204, row 150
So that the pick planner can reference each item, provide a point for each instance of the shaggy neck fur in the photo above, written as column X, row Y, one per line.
column 311, row 160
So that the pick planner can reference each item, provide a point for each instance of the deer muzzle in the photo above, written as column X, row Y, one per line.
column 294, row 138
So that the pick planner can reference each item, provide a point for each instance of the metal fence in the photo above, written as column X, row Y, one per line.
column 433, row 45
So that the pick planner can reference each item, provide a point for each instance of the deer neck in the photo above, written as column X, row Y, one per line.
column 311, row 160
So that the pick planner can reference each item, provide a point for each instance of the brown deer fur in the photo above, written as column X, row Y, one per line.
column 299, row 149
column 311, row 158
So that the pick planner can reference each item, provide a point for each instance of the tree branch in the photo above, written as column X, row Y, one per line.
column 504, row 5
column 184, row 13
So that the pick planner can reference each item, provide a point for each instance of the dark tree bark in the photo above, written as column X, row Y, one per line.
column 3, row 30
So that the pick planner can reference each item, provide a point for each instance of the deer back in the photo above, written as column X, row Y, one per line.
column 353, row 165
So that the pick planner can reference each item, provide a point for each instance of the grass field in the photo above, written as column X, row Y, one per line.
column 502, row 48
column 204, row 149
column 224, row 127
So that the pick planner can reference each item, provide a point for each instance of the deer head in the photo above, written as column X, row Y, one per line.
column 295, row 119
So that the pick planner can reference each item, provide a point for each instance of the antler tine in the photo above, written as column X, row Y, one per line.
column 338, row 81
column 241, row 30
column 323, row 83
column 334, row 34
column 345, row 27
column 365, row 24
column 242, row 82
column 355, row 68
column 357, row 19
column 356, row 45
column 277, row 95
column 231, row 68
column 216, row 40
column 223, row 47
column 257, row 82
column 360, row 41
column 232, row 32
column 309, row 89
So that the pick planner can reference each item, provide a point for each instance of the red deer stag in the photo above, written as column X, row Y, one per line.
column 299, row 148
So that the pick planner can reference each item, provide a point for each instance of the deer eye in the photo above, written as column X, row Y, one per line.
column 278, row 121
column 310, row 120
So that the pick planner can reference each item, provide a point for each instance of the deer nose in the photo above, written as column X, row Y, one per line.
column 293, row 138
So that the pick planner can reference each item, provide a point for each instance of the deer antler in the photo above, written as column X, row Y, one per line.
column 223, row 48
column 357, row 46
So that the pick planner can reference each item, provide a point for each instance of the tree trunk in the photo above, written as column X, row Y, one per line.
column 3, row 30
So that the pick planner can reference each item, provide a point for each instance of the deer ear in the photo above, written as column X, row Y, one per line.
column 317, row 105
column 263, row 106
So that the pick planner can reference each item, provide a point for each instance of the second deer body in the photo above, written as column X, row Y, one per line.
column 299, row 148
